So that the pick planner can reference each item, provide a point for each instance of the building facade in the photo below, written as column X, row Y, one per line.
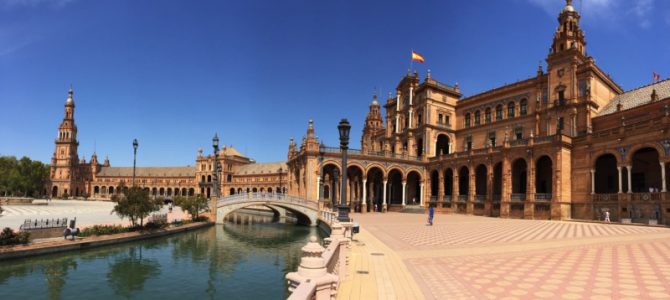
column 567, row 142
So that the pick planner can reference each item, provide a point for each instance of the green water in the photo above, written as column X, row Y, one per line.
column 220, row 262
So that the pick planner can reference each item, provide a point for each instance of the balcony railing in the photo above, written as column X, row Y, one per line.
column 519, row 142
column 646, row 196
column 462, row 198
column 480, row 198
column 517, row 197
column 604, row 197
column 497, row 198
column 542, row 197
column 447, row 198
column 544, row 139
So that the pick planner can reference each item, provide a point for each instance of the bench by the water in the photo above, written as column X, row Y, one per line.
column 29, row 224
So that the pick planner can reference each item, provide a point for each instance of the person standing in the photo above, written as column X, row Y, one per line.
column 431, row 213
column 607, row 216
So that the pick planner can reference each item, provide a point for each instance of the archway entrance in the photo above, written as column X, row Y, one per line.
column 448, row 185
column 375, row 189
column 434, row 186
column 330, row 182
column 413, row 188
column 519, row 179
column 543, row 179
column 646, row 173
column 354, row 188
column 463, row 188
column 395, row 187
column 606, row 179
column 442, row 145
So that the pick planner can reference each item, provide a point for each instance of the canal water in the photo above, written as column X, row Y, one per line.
column 231, row 261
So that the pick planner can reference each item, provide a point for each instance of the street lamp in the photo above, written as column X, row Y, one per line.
column 344, row 127
column 281, row 190
column 135, row 145
column 215, row 179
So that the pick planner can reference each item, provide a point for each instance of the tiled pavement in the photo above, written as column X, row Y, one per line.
column 467, row 257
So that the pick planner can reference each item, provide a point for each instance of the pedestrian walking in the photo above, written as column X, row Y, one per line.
column 607, row 216
column 431, row 213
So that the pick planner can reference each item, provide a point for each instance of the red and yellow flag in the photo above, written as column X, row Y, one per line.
column 417, row 57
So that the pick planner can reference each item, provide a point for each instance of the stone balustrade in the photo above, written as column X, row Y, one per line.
column 321, row 269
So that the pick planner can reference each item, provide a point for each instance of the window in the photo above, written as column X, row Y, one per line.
column 419, row 119
column 487, row 115
column 468, row 143
column 561, row 97
column 439, row 119
column 467, row 120
column 524, row 107
column 510, row 110
column 477, row 118
column 492, row 139
column 499, row 113
column 446, row 120
column 582, row 88
column 545, row 96
column 518, row 133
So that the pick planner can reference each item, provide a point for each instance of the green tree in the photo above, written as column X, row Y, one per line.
column 135, row 204
column 22, row 177
column 192, row 204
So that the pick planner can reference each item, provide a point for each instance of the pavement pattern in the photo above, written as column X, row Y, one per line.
column 88, row 213
column 470, row 257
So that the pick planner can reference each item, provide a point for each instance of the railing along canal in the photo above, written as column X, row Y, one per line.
column 279, row 197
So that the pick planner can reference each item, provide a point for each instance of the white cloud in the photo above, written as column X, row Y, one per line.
column 604, row 11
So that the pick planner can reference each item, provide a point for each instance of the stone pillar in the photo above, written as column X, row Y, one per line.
column 440, row 187
column 404, row 184
column 630, row 188
column 663, row 187
column 488, row 203
column 421, row 194
column 472, row 189
column 455, row 192
column 593, row 181
column 364, row 205
column 529, row 204
column 384, row 204
column 620, row 179
column 319, row 188
column 506, row 188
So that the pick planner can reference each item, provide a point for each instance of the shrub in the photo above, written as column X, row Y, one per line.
column 155, row 225
column 9, row 237
column 201, row 219
column 103, row 230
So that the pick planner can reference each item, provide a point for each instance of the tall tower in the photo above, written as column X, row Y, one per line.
column 566, row 55
column 373, row 125
column 65, row 161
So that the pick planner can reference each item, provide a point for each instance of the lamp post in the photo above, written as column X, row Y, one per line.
column 343, row 128
column 281, row 190
column 215, row 176
column 135, row 145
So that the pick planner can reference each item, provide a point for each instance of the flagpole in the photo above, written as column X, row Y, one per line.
column 411, row 61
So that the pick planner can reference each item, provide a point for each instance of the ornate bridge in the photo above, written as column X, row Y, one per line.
column 306, row 211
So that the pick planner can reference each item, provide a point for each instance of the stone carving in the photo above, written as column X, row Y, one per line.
column 666, row 146
column 623, row 151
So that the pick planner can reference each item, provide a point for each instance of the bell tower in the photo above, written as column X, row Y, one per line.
column 373, row 125
column 64, row 162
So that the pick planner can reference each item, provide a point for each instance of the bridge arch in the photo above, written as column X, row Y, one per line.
column 305, row 211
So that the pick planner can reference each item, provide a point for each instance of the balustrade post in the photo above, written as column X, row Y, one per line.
column 364, row 205
column 663, row 187
column 404, row 184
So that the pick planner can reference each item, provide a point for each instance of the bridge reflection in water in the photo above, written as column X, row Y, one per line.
column 222, row 262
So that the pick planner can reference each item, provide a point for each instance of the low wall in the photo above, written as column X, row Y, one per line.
column 43, row 233
column 15, row 201
column 87, row 243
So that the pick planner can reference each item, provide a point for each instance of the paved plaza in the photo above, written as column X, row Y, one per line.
column 469, row 257
column 87, row 213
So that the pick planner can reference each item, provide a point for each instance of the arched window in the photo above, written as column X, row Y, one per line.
column 487, row 116
column 510, row 110
column 523, row 107
column 467, row 120
column 477, row 118
column 499, row 112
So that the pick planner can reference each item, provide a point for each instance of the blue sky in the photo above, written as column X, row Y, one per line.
column 171, row 73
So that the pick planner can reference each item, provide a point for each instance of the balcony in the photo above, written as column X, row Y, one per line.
column 517, row 197
column 462, row 198
column 542, row 197
column 447, row 198
column 480, row 198
column 604, row 197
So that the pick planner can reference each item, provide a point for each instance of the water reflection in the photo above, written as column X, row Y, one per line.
column 225, row 261
column 127, row 274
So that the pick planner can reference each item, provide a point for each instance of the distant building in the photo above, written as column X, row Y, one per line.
column 74, row 177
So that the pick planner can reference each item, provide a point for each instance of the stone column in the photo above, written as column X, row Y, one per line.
column 593, row 181
column 319, row 189
column 455, row 192
column 440, row 187
column 404, row 184
column 630, row 188
column 384, row 204
column 421, row 194
column 364, row 205
column 663, row 187
column 620, row 179
column 472, row 189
